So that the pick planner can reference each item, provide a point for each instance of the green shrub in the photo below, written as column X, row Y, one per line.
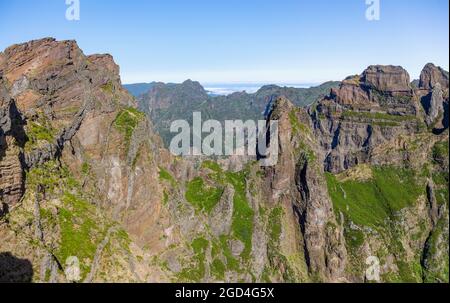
column 38, row 131
column 218, row 269
column 202, row 196
column 440, row 152
column 166, row 176
column 126, row 122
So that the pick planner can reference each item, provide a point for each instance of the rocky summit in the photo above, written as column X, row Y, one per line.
column 88, row 192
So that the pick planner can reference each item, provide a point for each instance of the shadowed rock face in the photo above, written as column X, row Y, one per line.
column 15, row 270
column 12, row 137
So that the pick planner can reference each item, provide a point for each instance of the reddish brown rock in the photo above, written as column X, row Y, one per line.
column 387, row 78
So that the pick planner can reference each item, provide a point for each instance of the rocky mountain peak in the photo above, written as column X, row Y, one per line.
column 387, row 78
column 281, row 107
column 378, row 88
column 106, row 61
column 48, row 89
column 194, row 86
column 374, row 108
column 431, row 75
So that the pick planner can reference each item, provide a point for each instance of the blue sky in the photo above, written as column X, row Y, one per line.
column 284, row 41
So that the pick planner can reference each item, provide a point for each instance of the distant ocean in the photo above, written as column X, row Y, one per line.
column 227, row 88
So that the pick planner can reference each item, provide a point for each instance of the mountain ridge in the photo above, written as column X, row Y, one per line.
column 165, row 103
column 362, row 172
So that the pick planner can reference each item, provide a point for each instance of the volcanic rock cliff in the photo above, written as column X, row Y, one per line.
column 86, row 183
column 359, row 172
column 71, row 144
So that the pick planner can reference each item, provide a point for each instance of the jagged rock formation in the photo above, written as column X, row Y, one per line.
column 365, row 112
column 432, row 75
column 433, row 91
column 298, row 186
column 362, row 172
column 71, row 139
column 373, row 134
column 11, row 173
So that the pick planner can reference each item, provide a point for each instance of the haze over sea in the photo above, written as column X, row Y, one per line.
column 230, row 88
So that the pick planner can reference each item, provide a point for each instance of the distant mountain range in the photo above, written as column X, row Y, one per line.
column 164, row 103
column 138, row 89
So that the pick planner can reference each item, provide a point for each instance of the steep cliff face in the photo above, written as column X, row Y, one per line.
column 433, row 91
column 73, row 149
column 297, row 185
column 367, row 177
column 366, row 111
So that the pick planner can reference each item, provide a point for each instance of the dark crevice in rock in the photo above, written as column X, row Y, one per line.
column 425, row 101
column 4, row 208
column 300, row 210
column 367, row 142
column 336, row 136
column 301, row 216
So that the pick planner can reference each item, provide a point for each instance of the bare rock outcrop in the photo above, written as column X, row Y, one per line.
column 432, row 75
column 387, row 78
column 433, row 90
column 372, row 109
column 297, row 185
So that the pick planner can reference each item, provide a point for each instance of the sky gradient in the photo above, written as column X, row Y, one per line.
column 232, row 41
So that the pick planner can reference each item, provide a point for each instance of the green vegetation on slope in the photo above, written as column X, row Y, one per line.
column 441, row 180
column 243, row 214
column 196, row 271
column 371, row 208
column 204, row 193
column 436, row 267
column 370, row 203
column 296, row 125
column 277, row 259
column 39, row 131
column 203, row 197
column 126, row 122
column 440, row 152
column 80, row 234
column 80, row 228
column 164, row 175
column 108, row 87
column 377, row 116
column 218, row 269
